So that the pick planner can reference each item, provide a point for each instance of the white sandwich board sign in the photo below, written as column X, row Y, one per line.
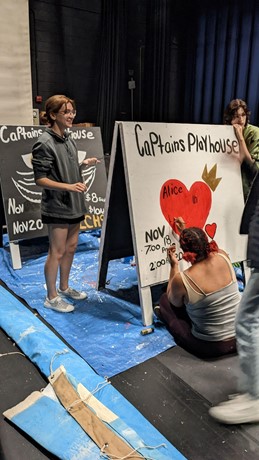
column 22, row 197
column 161, row 171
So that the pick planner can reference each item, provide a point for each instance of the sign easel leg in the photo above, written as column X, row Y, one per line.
column 146, row 305
column 15, row 255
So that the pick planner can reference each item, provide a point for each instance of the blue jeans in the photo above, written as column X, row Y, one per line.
column 247, row 336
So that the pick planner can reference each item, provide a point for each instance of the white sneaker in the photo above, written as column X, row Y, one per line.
column 71, row 293
column 58, row 304
column 239, row 409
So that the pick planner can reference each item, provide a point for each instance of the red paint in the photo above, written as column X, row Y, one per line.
column 192, row 205
column 210, row 229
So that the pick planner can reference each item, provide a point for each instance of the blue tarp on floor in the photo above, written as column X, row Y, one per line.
column 105, row 328
column 67, row 440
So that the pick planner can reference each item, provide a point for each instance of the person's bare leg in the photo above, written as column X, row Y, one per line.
column 57, row 247
column 68, row 256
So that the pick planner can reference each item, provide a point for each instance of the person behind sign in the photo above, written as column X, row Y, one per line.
column 237, row 114
column 199, row 307
column 57, row 171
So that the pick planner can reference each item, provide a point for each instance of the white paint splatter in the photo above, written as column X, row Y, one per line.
column 30, row 330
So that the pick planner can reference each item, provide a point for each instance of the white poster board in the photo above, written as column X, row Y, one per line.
column 174, row 170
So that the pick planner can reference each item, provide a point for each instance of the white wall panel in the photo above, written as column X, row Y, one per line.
column 15, row 65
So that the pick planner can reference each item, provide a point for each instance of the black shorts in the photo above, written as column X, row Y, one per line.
column 59, row 220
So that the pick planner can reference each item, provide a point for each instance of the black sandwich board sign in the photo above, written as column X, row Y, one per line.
column 22, row 197
column 161, row 171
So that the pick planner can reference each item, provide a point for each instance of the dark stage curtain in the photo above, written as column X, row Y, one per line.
column 199, row 55
column 157, row 61
column 225, row 64
column 112, row 71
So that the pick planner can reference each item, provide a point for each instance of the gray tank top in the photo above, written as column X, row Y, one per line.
column 213, row 315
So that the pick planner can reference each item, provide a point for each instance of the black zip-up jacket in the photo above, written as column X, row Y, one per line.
column 56, row 158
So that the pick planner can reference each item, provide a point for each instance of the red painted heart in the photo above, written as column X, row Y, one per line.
column 210, row 229
column 193, row 206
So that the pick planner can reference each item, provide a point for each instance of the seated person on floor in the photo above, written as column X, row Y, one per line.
column 199, row 307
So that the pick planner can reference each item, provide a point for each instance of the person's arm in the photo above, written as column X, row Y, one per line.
column 244, row 154
column 90, row 161
column 175, row 288
column 42, row 162
column 50, row 184
column 178, row 226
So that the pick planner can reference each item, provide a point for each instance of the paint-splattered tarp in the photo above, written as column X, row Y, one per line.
column 106, row 328
column 43, row 417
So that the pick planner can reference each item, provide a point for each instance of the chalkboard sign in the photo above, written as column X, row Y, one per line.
column 170, row 170
column 22, row 197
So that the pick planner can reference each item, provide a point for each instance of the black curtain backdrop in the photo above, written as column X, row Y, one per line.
column 189, row 58
column 157, row 82
column 226, row 59
column 65, row 52
column 112, row 71
column 223, row 64
column 199, row 56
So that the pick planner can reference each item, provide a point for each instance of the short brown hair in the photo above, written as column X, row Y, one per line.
column 54, row 103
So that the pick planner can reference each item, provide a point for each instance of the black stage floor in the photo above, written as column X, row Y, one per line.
column 173, row 391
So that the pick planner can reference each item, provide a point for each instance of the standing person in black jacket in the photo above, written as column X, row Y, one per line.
column 57, row 171
column 244, row 407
